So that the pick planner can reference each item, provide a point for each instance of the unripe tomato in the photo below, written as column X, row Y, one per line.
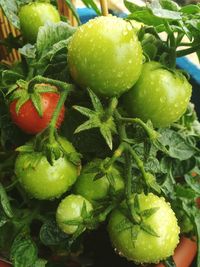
column 95, row 190
column 105, row 55
column 70, row 208
column 34, row 15
column 146, row 248
column 42, row 180
column 160, row 95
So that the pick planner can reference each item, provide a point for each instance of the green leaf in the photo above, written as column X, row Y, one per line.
column 92, row 4
column 132, row 7
column 23, row 251
column 73, row 9
column 10, row 9
column 95, row 101
column 193, row 182
column 148, row 212
column 40, row 263
column 197, row 223
column 10, row 77
column 28, row 51
column 184, row 192
column 169, row 4
column 51, row 235
column 3, row 219
column 36, row 99
column 5, row 203
column 160, row 12
column 190, row 9
column 148, row 229
column 51, row 34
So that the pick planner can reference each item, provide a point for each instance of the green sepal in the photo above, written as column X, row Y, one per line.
column 28, row 148
column 74, row 157
column 134, row 232
column 148, row 212
column 148, row 229
column 123, row 225
column 95, row 101
column 36, row 100
column 111, row 179
column 85, row 111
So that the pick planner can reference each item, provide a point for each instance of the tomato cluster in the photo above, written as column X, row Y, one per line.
column 106, row 56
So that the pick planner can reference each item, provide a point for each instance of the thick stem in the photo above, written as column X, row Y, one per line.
column 188, row 51
column 52, row 125
column 118, row 152
column 104, row 7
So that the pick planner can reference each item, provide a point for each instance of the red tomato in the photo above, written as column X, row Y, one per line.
column 184, row 253
column 28, row 118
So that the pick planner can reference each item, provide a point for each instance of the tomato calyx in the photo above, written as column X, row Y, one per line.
column 22, row 95
column 99, row 118
column 137, row 223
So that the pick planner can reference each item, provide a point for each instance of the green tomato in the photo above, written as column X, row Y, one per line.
column 146, row 248
column 105, row 55
column 70, row 208
column 160, row 95
column 34, row 15
column 42, row 180
column 100, row 189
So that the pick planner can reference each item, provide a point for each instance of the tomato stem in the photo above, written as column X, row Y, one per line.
column 151, row 133
column 185, row 52
column 117, row 153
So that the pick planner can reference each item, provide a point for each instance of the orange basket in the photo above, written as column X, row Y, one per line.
column 6, row 28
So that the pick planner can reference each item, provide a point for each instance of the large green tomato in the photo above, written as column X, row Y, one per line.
column 42, row 180
column 146, row 248
column 34, row 15
column 96, row 190
column 105, row 55
column 160, row 95
column 70, row 209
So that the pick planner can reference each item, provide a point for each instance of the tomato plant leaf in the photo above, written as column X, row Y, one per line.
column 10, row 8
column 36, row 99
column 28, row 51
column 148, row 229
column 5, row 203
column 193, row 182
column 23, row 251
column 92, row 4
column 51, row 235
column 10, row 77
column 40, row 263
column 50, row 34
column 184, row 192
column 3, row 219
column 73, row 9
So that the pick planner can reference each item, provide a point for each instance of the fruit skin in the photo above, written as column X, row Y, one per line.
column 34, row 15
column 160, row 95
column 147, row 248
column 42, row 180
column 105, row 55
column 70, row 209
column 28, row 118
column 96, row 190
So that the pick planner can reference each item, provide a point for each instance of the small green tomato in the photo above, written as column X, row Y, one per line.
column 70, row 208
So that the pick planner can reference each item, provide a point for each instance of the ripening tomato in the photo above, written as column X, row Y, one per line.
column 70, row 208
column 28, row 118
column 141, row 246
column 105, row 55
column 160, row 95
column 34, row 15
column 42, row 180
